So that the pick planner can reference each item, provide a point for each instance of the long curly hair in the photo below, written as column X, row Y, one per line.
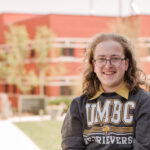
column 132, row 77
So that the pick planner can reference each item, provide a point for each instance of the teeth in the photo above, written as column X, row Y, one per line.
column 109, row 73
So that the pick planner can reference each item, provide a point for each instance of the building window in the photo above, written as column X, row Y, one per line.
column 32, row 53
column 45, row 90
column 66, row 90
column 6, row 88
column 33, row 91
column 14, row 89
column 67, row 51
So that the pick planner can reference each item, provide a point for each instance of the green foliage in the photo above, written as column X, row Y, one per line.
column 14, row 60
column 58, row 101
column 42, row 46
column 43, row 43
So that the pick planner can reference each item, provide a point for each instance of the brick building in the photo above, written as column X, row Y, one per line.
column 73, row 33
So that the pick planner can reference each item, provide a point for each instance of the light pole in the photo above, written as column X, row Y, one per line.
column 91, row 9
column 120, row 8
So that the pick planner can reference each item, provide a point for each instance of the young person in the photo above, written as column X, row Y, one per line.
column 113, row 113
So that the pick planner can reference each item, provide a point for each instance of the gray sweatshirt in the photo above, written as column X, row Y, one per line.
column 108, row 121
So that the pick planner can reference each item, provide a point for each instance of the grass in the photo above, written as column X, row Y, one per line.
column 45, row 134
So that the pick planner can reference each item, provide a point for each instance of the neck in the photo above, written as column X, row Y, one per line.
column 109, row 89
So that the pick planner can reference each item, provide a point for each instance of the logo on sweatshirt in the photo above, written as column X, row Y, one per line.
column 106, row 129
column 110, row 122
column 113, row 111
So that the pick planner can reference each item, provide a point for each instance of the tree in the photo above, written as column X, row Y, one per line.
column 44, row 38
column 16, row 58
column 127, row 26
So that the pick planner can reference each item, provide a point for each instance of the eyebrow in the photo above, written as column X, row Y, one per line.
column 105, row 55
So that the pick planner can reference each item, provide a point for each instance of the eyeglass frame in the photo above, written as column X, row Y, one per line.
column 110, row 61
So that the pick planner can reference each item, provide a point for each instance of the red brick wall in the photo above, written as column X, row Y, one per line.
column 70, row 25
column 79, row 52
column 78, row 26
column 146, row 67
column 2, row 88
column 1, row 29
column 144, row 25
column 14, row 101
column 52, row 90
column 9, row 18
column 64, row 25
column 32, row 24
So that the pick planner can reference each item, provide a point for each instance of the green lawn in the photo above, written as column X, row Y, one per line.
column 45, row 134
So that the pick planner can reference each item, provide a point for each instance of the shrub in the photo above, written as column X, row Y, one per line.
column 61, row 100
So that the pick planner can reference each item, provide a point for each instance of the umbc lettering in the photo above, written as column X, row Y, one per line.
column 98, row 114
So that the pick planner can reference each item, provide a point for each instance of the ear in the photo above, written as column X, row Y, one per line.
column 126, row 64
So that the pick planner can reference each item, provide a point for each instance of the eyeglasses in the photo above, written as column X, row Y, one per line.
column 116, row 61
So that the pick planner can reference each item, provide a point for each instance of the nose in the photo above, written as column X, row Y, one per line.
column 108, row 62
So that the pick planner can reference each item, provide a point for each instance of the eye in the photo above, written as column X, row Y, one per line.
column 101, row 59
column 115, row 58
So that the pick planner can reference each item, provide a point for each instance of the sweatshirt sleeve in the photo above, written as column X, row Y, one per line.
column 142, row 126
column 72, row 136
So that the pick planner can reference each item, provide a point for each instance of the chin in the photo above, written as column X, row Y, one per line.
column 110, row 84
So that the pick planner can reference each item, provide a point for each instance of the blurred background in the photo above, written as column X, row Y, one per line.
column 42, row 44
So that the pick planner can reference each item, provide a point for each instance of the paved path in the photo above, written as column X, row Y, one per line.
column 12, row 138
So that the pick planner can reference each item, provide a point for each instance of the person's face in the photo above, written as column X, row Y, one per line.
column 110, row 73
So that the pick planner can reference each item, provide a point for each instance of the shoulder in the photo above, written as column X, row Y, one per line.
column 141, row 94
column 142, row 100
column 79, row 101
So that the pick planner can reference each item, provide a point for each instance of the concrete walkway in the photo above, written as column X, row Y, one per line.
column 12, row 138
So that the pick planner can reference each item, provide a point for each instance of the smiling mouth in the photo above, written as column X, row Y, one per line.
column 109, row 73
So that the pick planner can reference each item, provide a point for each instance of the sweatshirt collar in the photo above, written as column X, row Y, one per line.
column 122, row 91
